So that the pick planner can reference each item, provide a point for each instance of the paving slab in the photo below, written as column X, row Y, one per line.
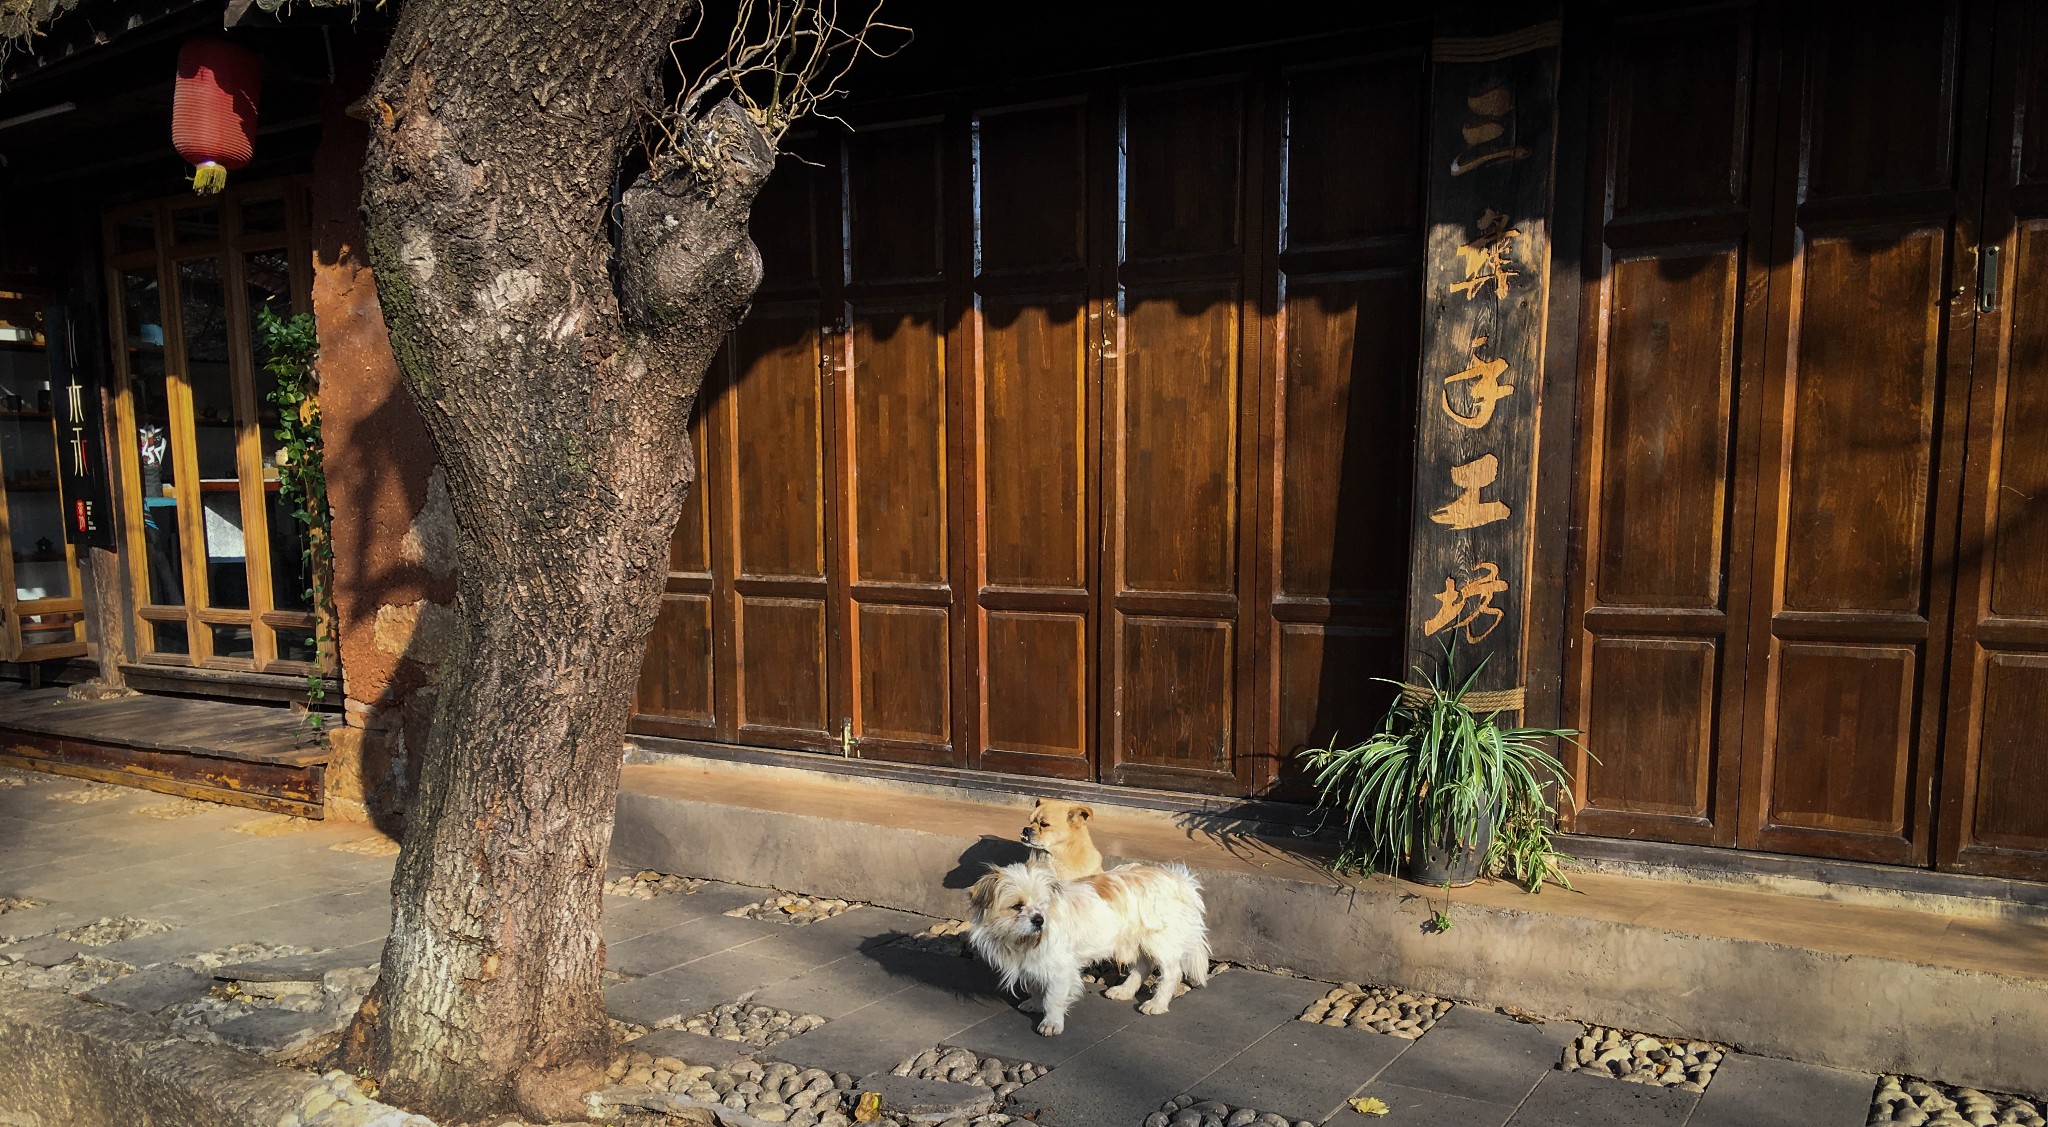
column 1119, row 1080
column 1302, row 1070
column 1483, row 1056
column 834, row 989
column 685, row 942
column 625, row 919
column 1236, row 1008
column 1012, row 1034
column 302, row 968
column 877, row 1037
column 1752, row 1091
column 1582, row 1099
column 928, row 1101
column 153, row 990
column 48, row 951
column 1419, row 1107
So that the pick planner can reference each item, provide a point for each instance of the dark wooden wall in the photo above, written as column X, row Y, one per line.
column 1071, row 432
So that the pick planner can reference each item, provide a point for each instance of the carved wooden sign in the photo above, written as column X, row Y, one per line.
column 1492, row 120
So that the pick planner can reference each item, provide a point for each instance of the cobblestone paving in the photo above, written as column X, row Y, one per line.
column 263, row 933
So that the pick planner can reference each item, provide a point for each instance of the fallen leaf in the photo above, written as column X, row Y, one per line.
column 1367, row 1105
column 869, row 1108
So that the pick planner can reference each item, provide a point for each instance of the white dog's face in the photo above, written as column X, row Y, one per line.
column 1012, row 903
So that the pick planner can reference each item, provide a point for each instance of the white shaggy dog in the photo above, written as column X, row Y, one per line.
column 1039, row 932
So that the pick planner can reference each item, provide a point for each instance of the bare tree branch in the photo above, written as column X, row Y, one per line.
column 782, row 62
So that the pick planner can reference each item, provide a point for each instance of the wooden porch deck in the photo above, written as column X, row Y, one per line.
column 263, row 757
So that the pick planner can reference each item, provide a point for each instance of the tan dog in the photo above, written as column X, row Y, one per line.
column 1058, row 836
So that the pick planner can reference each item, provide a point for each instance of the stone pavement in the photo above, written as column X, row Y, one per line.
column 251, row 929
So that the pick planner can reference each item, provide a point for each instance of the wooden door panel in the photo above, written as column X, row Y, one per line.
column 1032, row 169
column 1844, row 738
column 1034, row 432
column 776, row 458
column 1036, row 673
column 1175, row 705
column 1178, row 420
column 675, row 675
column 2008, row 813
column 1670, row 364
column 1872, row 129
column 905, row 673
column 1654, row 692
column 1995, row 758
column 1863, row 404
column 897, row 442
column 2019, row 524
column 1183, row 193
column 894, row 191
column 781, row 659
column 1668, row 434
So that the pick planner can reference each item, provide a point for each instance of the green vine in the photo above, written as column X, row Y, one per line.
column 289, row 347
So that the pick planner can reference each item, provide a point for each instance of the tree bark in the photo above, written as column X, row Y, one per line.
column 556, row 374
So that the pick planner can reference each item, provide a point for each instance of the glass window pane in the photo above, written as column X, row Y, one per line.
column 296, row 645
column 203, row 301
column 28, row 452
column 263, row 217
column 267, row 277
column 135, row 233
column 169, row 638
column 195, row 225
column 233, row 641
column 48, row 629
column 142, row 321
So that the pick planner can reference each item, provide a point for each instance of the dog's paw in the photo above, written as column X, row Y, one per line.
column 1052, row 1027
column 1155, row 1007
column 1121, row 993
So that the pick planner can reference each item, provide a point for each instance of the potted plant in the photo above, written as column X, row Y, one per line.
column 1443, row 790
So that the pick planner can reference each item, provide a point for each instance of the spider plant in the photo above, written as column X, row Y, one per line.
column 1439, row 776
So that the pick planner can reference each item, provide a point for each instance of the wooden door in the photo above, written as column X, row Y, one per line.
column 893, row 424
column 1864, row 400
column 1181, row 331
column 1776, row 364
column 1345, row 293
column 1035, row 402
column 1671, row 366
column 1993, row 820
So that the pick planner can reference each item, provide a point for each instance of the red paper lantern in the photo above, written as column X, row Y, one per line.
column 213, row 115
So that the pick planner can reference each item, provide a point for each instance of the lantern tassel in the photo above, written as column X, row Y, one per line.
column 209, row 178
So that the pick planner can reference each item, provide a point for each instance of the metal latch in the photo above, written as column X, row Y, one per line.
column 846, row 750
column 1987, row 279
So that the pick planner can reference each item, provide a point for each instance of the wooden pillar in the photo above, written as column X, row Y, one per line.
column 1493, row 101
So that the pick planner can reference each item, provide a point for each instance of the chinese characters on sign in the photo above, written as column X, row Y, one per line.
column 1492, row 128
column 84, row 476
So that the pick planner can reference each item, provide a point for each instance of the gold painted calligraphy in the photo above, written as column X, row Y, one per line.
column 1485, row 387
column 1468, row 510
column 1486, row 132
column 1464, row 606
column 1486, row 260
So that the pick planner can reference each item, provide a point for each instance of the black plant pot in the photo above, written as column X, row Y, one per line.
column 1444, row 861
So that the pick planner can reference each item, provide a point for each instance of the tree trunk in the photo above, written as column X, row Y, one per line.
column 556, row 374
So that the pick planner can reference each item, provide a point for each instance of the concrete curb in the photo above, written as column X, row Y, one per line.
column 69, row 1063
column 1862, row 1013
